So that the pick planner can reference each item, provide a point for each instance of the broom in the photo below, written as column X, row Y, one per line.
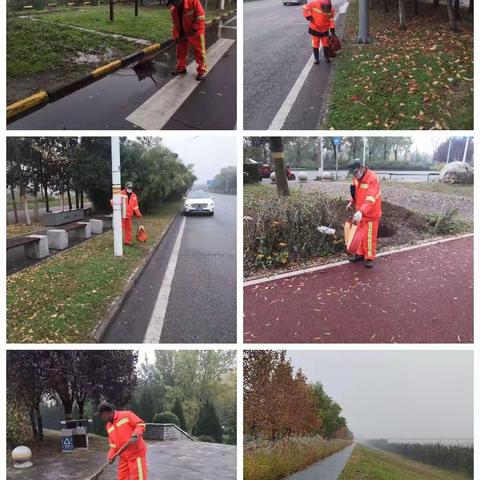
column 96, row 475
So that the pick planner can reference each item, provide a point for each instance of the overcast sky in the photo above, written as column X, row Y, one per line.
column 208, row 154
column 397, row 394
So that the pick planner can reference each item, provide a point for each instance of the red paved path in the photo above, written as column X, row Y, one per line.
column 424, row 295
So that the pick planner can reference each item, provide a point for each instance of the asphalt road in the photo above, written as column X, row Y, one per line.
column 277, row 47
column 329, row 468
column 422, row 295
column 201, row 305
column 106, row 104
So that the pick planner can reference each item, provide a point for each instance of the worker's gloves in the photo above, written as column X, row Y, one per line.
column 349, row 206
column 309, row 18
column 134, row 438
column 111, row 460
column 357, row 217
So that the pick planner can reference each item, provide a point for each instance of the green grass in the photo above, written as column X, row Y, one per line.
column 23, row 229
column 437, row 187
column 276, row 460
column 369, row 464
column 421, row 78
column 61, row 299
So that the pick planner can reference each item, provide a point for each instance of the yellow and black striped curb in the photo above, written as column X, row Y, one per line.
column 40, row 99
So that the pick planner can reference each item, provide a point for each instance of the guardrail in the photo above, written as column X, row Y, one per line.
column 390, row 174
column 40, row 99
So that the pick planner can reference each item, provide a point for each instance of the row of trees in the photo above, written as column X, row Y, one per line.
column 225, row 181
column 196, row 390
column 74, row 166
column 280, row 402
column 380, row 152
column 457, row 458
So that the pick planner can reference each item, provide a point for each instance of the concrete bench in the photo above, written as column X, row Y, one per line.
column 107, row 220
column 96, row 225
column 57, row 239
column 36, row 246
column 79, row 229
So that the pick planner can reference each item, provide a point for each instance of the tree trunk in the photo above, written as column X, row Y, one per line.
column 77, row 203
column 436, row 3
column 45, row 192
column 385, row 4
column 24, row 201
column 36, row 215
column 415, row 7
column 470, row 7
column 279, row 165
column 81, row 198
column 454, row 24
column 62, row 201
column 457, row 10
column 69, row 196
column 33, row 424
column 401, row 14
column 39, row 423
column 384, row 150
column 395, row 153
column 15, row 211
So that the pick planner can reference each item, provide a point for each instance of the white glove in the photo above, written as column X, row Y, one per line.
column 357, row 217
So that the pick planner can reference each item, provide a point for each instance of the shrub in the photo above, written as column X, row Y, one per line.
column 206, row 438
column 444, row 223
column 18, row 430
column 208, row 423
column 280, row 230
column 166, row 417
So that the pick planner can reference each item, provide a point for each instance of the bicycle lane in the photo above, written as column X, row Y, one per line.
column 417, row 295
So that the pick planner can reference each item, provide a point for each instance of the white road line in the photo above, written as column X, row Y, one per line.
column 296, row 273
column 155, row 326
column 160, row 107
column 281, row 116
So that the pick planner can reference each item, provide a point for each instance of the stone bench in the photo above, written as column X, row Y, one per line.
column 96, row 225
column 36, row 246
column 58, row 237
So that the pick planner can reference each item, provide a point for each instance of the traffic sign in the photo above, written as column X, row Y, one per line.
column 336, row 140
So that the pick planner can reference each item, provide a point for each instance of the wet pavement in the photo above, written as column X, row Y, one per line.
column 277, row 49
column 107, row 103
column 202, row 301
column 422, row 295
column 329, row 468
column 183, row 460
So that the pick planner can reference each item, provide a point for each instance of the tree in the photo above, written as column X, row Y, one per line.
column 177, row 409
column 208, row 423
column 401, row 14
column 279, row 165
column 454, row 15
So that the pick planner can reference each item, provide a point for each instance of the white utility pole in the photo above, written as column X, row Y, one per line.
column 320, row 169
column 364, row 150
column 117, row 198
column 449, row 149
column 465, row 151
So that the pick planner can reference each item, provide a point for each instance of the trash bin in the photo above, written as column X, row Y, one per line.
column 67, row 440
column 80, row 438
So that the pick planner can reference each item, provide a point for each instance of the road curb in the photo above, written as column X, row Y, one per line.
column 40, row 99
column 305, row 271
column 117, row 304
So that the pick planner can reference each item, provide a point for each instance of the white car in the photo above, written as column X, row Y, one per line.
column 199, row 202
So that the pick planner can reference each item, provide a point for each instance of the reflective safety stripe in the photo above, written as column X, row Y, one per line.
column 111, row 429
column 370, row 239
column 121, row 422
column 112, row 445
column 204, row 53
column 200, row 17
column 317, row 10
column 141, row 424
column 364, row 185
column 140, row 468
column 370, row 199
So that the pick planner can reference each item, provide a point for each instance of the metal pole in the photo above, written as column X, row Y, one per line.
column 449, row 149
column 117, row 199
column 320, row 169
column 465, row 151
column 222, row 4
column 364, row 149
column 363, row 22
column 336, row 161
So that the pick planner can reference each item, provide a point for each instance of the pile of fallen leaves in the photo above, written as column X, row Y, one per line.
column 421, row 78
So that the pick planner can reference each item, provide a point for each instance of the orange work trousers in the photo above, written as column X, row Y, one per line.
column 368, row 247
column 325, row 41
column 132, row 468
column 197, row 41
column 127, row 230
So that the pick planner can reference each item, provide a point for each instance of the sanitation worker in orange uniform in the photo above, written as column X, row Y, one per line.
column 132, row 209
column 188, row 29
column 366, row 199
column 125, row 427
column 321, row 15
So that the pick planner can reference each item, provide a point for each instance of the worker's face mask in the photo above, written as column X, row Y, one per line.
column 358, row 173
column 129, row 190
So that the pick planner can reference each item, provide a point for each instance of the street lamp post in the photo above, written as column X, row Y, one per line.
column 449, row 149
column 363, row 22
column 117, row 198
column 465, row 150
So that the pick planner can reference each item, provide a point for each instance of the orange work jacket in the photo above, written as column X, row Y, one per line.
column 120, row 430
column 320, row 22
column 193, row 18
column 132, row 205
column 367, row 196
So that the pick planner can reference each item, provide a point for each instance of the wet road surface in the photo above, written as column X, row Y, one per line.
column 329, row 468
column 107, row 103
column 179, row 459
column 278, row 65
column 201, row 304
column 423, row 295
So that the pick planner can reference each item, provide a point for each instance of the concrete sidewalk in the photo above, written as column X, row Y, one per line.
column 420, row 295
